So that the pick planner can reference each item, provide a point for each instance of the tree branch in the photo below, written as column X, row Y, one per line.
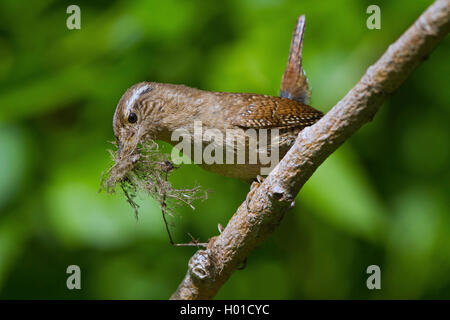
column 209, row 269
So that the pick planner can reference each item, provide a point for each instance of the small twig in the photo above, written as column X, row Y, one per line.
column 163, row 205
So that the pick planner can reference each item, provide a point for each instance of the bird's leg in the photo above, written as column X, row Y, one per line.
column 253, row 187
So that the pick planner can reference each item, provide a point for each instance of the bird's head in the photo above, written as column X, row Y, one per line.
column 132, row 123
column 138, row 164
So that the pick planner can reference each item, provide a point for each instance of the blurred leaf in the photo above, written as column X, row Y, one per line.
column 413, row 237
column 80, row 216
column 13, row 161
column 12, row 237
column 340, row 193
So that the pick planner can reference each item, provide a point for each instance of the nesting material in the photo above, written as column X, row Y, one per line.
column 146, row 170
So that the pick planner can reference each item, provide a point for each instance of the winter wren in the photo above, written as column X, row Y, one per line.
column 150, row 110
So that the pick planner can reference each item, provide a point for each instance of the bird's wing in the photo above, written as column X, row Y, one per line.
column 260, row 111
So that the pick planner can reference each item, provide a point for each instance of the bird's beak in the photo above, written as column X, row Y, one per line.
column 127, row 145
column 120, row 149
column 124, row 147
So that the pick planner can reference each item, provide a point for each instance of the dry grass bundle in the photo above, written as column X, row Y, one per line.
column 147, row 170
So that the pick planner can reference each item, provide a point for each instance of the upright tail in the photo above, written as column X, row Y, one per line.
column 294, row 84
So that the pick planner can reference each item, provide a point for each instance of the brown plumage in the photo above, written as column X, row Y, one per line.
column 294, row 84
column 161, row 109
column 261, row 111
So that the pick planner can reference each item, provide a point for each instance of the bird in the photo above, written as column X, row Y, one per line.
column 240, row 126
column 151, row 110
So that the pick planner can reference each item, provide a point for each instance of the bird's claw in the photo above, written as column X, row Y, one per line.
column 253, row 187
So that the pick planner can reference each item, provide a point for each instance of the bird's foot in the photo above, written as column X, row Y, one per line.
column 253, row 187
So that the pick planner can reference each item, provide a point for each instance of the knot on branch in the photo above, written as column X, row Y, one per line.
column 201, row 266
column 281, row 194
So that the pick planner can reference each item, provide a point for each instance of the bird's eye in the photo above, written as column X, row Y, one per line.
column 132, row 118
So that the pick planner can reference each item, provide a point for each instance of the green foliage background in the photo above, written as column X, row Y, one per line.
column 383, row 198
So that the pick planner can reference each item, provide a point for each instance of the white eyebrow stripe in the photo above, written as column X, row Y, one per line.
column 135, row 96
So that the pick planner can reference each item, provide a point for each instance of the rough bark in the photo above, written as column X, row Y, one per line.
column 209, row 269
